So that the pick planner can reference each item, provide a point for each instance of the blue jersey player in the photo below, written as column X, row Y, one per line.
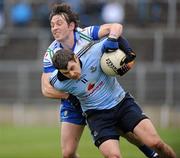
column 68, row 35
column 105, row 103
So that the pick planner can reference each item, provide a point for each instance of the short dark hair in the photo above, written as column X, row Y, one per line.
column 64, row 9
column 61, row 58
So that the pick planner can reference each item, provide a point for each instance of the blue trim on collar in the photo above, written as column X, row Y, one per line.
column 95, row 33
column 60, row 45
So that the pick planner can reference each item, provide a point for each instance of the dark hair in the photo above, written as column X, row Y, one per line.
column 66, row 11
column 62, row 57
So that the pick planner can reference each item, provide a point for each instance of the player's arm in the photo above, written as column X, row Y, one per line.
column 48, row 90
column 48, row 68
column 113, row 30
column 116, row 41
column 130, row 56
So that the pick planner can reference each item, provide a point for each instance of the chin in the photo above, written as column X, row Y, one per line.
column 58, row 39
column 76, row 77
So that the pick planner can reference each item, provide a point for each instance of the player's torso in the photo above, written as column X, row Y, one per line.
column 81, row 40
column 79, row 44
column 94, row 89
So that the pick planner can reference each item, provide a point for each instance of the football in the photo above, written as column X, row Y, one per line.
column 112, row 61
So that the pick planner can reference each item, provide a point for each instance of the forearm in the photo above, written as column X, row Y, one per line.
column 49, row 91
column 124, row 45
column 113, row 30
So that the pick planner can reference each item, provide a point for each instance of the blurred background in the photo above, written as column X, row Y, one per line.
column 151, row 26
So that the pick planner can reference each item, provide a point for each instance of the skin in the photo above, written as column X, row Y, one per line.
column 64, row 33
column 143, row 131
column 73, row 70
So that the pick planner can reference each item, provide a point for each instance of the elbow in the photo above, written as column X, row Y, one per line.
column 118, row 25
column 44, row 92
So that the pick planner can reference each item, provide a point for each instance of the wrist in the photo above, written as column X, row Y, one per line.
column 112, row 39
column 113, row 36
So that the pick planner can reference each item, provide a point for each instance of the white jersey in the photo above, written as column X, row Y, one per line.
column 94, row 89
column 82, row 37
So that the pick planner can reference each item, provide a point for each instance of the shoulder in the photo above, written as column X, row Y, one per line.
column 90, row 32
column 54, row 45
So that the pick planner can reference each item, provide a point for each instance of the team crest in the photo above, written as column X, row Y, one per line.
column 93, row 68
column 65, row 113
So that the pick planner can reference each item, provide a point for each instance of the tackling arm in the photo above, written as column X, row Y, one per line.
column 113, row 30
column 48, row 90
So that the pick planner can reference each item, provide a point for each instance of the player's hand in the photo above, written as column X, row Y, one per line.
column 125, row 68
column 110, row 45
column 74, row 101
column 128, row 63
column 129, row 57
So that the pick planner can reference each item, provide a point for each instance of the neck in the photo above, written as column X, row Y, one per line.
column 68, row 43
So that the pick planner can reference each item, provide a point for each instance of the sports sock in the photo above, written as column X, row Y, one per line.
column 148, row 152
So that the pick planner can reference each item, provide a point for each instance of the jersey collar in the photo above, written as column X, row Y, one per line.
column 76, row 37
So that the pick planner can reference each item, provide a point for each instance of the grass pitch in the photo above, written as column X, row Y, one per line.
column 43, row 142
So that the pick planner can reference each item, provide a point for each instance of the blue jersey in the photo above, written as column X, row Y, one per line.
column 82, row 37
column 94, row 89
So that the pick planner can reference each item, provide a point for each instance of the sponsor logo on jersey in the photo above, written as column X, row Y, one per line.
column 46, row 54
column 93, row 87
column 90, row 86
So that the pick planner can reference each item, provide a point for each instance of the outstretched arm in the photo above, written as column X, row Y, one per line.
column 113, row 30
column 48, row 90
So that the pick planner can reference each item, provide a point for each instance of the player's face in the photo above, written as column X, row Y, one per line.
column 60, row 29
column 73, row 70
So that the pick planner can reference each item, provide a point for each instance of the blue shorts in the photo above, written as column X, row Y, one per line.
column 71, row 114
column 105, row 124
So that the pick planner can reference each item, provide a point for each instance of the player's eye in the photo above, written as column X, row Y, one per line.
column 72, row 68
column 59, row 23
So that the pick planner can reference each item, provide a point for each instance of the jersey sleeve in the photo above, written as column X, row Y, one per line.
column 91, row 32
column 53, row 79
column 47, row 61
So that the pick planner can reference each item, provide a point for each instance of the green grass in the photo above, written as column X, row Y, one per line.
column 43, row 142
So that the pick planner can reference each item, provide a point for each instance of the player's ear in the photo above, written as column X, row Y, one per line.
column 72, row 26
